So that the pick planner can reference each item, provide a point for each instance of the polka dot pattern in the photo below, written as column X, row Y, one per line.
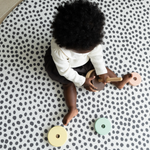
column 31, row 103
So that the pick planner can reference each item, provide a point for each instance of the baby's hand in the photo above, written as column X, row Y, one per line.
column 104, row 78
column 88, row 85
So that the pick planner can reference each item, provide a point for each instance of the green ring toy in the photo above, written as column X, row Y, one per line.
column 102, row 126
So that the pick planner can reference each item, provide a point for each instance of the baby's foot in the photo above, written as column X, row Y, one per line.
column 125, row 80
column 71, row 113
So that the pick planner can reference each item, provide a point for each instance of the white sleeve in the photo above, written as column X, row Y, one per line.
column 64, row 69
column 96, row 57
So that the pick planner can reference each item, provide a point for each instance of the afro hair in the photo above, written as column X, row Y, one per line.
column 78, row 25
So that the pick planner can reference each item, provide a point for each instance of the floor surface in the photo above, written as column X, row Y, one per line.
column 6, row 6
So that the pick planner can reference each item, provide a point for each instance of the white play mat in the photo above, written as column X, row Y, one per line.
column 31, row 103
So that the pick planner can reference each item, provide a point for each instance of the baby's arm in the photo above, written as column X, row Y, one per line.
column 88, row 85
column 65, row 70
column 104, row 77
column 96, row 57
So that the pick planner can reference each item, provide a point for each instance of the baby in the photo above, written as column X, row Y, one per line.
column 76, row 49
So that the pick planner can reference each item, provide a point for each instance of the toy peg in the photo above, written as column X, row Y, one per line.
column 111, row 80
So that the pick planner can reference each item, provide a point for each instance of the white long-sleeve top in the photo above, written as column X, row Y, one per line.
column 66, row 60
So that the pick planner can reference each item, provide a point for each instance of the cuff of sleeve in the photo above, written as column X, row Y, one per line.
column 80, row 82
column 101, row 71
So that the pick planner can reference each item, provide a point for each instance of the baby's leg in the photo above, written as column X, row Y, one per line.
column 70, row 95
column 119, row 84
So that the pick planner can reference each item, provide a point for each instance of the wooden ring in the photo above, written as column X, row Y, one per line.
column 135, row 80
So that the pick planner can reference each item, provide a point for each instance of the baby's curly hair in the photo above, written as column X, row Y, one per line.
column 78, row 25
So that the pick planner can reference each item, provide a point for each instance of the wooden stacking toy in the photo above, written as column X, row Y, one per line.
column 97, row 82
column 136, row 79
column 102, row 126
column 57, row 136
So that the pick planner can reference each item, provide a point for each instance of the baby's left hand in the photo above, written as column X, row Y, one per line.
column 104, row 77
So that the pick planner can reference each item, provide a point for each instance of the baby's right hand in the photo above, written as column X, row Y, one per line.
column 88, row 84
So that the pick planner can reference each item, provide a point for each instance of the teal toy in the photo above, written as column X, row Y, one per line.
column 102, row 126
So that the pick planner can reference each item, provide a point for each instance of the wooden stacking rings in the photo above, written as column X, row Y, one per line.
column 57, row 136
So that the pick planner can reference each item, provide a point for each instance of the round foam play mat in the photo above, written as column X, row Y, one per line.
column 31, row 103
